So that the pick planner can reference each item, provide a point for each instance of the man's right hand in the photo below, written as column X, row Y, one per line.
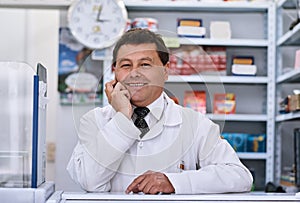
column 119, row 97
column 109, row 87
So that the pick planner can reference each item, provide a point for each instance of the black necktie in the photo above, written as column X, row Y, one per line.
column 138, row 118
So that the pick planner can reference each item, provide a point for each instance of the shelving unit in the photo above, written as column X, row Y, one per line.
column 228, row 43
column 290, row 38
column 288, row 41
column 217, row 79
column 238, row 117
column 291, row 76
column 259, row 156
column 152, row 5
column 259, row 43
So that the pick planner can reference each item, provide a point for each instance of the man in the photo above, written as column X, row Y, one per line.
column 175, row 150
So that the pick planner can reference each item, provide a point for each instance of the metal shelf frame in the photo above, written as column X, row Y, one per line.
column 289, row 77
column 152, row 5
column 252, row 155
column 287, row 4
column 238, row 117
column 217, row 79
column 290, row 38
column 35, row 4
column 288, row 117
column 271, row 93
column 228, row 43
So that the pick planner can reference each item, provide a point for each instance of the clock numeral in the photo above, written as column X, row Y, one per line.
column 76, row 19
column 79, row 29
column 96, row 40
column 96, row 29
column 96, row 8
column 118, row 19
column 79, row 9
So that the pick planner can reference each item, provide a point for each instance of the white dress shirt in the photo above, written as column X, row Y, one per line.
column 110, row 153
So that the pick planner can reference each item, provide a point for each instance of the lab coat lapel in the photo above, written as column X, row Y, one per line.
column 170, row 117
column 155, row 130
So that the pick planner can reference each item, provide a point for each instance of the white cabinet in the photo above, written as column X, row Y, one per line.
column 253, row 33
column 287, row 79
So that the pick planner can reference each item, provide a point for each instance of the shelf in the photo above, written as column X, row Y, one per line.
column 155, row 5
column 286, row 4
column 39, row 4
column 229, row 42
column 290, row 38
column 150, row 5
column 217, row 79
column 290, row 77
column 252, row 155
column 288, row 116
column 237, row 117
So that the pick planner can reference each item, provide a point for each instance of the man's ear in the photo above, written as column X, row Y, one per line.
column 113, row 68
column 166, row 71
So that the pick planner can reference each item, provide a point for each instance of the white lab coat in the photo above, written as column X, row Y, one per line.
column 110, row 154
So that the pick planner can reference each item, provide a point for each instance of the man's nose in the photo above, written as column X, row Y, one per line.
column 135, row 71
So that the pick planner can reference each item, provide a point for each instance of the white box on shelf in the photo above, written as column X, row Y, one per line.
column 220, row 30
column 191, row 31
column 239, row 69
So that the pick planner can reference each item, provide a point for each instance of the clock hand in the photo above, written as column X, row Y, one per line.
column 99, row 13
column 103, row 20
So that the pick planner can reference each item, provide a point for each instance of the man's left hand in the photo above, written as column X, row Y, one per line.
column 151, row 183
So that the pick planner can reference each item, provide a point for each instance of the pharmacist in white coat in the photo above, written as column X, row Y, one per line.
column 177, row 151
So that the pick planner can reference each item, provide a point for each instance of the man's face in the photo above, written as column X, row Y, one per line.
column 140, row 70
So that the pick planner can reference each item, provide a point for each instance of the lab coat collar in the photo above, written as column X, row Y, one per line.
column 172, row 112
column 170, row 117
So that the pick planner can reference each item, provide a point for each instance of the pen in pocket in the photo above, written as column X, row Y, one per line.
column 181, row 166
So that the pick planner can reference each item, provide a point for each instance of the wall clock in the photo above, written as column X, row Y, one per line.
column 97, row 24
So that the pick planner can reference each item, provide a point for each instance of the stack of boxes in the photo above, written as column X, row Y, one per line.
column 243, row 142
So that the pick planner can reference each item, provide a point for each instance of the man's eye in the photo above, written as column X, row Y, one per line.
column 125, row 66
column 145, row 65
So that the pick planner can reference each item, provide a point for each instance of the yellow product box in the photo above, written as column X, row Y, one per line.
column 224, row 103
column 294, row 102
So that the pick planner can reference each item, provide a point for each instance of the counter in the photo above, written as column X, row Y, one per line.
column 62, row 197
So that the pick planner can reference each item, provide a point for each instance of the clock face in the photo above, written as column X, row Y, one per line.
column 97, row 23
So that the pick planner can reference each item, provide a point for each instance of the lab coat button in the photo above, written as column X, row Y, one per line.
column 141, row 144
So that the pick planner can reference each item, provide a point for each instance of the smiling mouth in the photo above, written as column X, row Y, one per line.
column 136, row 84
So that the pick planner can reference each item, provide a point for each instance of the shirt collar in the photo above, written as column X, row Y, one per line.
column 157, row 107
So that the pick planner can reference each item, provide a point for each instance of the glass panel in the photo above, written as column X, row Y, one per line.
column 16, row 108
